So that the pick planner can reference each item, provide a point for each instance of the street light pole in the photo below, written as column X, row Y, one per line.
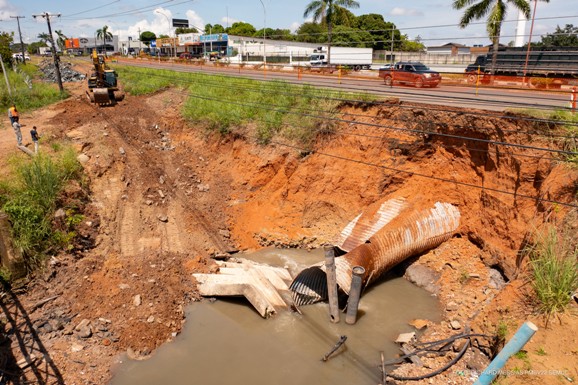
column 168, row 21
column 264, row 33
column 530, row 39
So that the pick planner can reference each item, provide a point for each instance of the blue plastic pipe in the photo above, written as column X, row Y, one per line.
column 522, row 336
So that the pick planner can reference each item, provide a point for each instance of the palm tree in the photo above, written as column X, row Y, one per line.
column 44, row 37
column 324, row 11
column 61, row 41
column 496, row 11
column 104, row 34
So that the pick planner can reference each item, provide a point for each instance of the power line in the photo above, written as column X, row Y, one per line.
column 393, row 128
column 273, row 107
column 410, row 173
column 258, row 88
column 89, row 10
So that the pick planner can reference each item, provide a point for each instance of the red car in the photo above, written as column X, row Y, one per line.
column 413, row 73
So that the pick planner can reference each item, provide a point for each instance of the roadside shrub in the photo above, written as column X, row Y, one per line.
column 29, row 199
column 26, row 98
column 271, row 109
column 554, row 263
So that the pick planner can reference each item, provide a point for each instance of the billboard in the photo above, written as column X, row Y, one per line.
column 184, row 23
column 214, row 37
column 72, row 43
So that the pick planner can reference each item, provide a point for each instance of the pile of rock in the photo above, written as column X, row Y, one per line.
column 67, row 74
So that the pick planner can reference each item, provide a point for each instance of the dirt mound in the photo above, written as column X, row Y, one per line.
column 166, row 195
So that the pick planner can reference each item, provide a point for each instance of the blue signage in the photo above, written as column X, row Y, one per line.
column 153, row 43
column 214, row 37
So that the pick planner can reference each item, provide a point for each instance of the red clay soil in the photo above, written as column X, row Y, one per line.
column 163, row 196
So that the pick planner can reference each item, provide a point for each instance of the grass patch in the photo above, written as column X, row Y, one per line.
column 273, row 109
column 541, row 352
column 521, row 355
column 29, row 197
column 554, row 263
column 28, row 92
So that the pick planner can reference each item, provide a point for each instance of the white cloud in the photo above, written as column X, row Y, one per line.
column 228, row 21
column 294, row 26
column 398, row 11
column 7, row 10
column 195, row 21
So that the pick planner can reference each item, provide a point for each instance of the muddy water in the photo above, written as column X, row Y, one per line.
column 227, row 342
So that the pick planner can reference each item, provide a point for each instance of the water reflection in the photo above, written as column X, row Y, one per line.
column 227, row 342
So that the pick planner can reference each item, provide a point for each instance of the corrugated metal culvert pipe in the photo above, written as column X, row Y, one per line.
column 405, row 232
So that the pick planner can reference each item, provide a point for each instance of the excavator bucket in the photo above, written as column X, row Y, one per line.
column 101, row 96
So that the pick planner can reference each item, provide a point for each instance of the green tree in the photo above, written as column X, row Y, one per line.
column 344, row 17
column 147, row 37
column 183, row 30
column 33, row 47
column 324, row 11
column 217, row 28
column 496, row 11
column 241, row 29
column 6, row 40
column 408, row 45
column 61, row 40
column 379, row 30
column 275, row 34
column 311, row 33
column 562, row 37
column 351, row 37
column 104, row 34
column 44, row 37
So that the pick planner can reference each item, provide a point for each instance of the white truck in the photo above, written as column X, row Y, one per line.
column 355, row 58
column 44, row 51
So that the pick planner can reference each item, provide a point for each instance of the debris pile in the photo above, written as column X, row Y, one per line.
column 66, row 72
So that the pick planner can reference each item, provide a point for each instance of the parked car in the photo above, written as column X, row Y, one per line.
column 18, row 56
column 413, row 73
column 186, row 55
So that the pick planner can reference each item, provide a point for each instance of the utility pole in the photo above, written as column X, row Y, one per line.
column 139, row 46
column 47, row 16
column 264, row 35
column 20, row 33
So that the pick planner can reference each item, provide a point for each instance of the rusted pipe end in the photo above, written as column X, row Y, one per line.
column 358, row 271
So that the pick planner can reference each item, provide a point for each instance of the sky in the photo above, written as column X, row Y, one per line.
column 434, row 21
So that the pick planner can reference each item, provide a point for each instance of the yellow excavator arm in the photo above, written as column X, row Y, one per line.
column 102, row 84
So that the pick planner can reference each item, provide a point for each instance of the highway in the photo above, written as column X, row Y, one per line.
column 449, row 95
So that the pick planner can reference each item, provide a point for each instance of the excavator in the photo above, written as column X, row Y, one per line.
column 102, row 84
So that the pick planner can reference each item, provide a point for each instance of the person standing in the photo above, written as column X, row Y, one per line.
column 34, row 135
column 17, row 131
column 13, row 114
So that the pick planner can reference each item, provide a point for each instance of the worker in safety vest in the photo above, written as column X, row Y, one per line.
column 13, row 114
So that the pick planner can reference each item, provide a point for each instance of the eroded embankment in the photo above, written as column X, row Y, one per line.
column 416, row 153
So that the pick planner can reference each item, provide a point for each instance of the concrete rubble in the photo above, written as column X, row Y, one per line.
column 67, row 74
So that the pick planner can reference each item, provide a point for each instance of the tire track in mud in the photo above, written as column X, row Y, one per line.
column 148, row 218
